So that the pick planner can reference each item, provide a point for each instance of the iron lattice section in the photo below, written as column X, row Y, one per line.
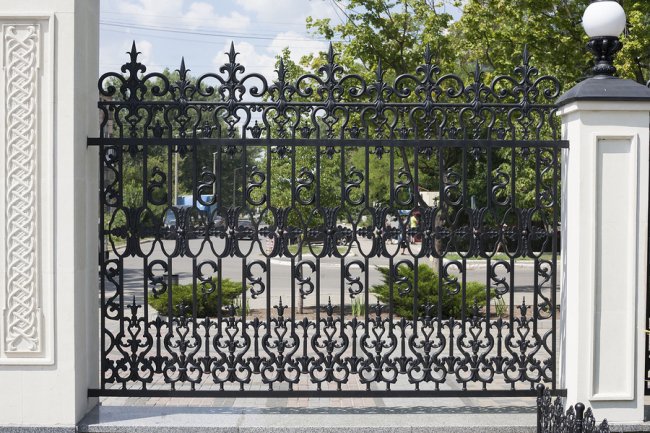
column 330, row 104
column 283, row 210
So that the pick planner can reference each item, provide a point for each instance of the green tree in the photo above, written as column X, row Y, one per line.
column 295, row 164
column 493, row 32
column 394, row 32
column 194, row 164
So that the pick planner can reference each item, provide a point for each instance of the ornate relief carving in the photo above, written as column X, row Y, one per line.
column 22, row 313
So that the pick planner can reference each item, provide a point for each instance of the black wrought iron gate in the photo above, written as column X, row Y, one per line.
column 325, row 233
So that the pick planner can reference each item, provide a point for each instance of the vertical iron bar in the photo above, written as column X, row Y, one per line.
column 538, row 207
column 335, row 246
column 102, row 263
column 556, row 204
column 366, row 296
column 513, row 207
column 145, row 258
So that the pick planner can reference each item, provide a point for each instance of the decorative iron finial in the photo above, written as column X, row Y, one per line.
column 379, row 74
column 428, row 55
column 330, row 54
column 183, row 70
column 477, row 72
column 525, row 56
column 232, row 54
column 133, row 53
column 281, row 71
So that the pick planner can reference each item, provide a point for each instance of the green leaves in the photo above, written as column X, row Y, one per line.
column 493, row 32
column 490, row 31
column 394, row 32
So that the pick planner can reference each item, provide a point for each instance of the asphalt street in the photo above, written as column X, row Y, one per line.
column 329, row 283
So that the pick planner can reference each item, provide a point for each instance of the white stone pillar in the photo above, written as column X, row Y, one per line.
column 604, row 251
column 48, row 188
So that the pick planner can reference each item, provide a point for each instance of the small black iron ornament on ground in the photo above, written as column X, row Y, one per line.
column 553, row 418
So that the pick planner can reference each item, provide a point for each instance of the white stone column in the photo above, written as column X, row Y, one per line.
column 48, row 189
column 604, row 251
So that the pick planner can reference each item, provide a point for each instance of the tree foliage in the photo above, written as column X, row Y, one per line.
column 186, row 164
column 393, row 32
column 492, row 32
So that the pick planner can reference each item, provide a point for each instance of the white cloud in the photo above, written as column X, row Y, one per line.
column 202, row 14
column 114, row 55
column 291, row 16
column 151, row 12
column 299, row 48
column 248, row 56
column 273, row 24
column 146, row 49
column 193, row 15
column 262, row 60
column 289, row 11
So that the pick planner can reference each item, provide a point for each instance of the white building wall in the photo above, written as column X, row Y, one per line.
column 49, row 331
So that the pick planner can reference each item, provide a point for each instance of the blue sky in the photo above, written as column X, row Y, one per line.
column 259, row 28
column 201, row 31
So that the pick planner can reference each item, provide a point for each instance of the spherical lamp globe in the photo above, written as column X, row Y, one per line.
column 604, row 18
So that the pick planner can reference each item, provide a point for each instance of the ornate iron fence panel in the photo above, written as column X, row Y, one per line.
column 328, row 234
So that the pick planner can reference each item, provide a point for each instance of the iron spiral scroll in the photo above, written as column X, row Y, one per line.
column 330, row 134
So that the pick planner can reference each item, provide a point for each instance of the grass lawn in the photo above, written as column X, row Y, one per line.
column 500, row 256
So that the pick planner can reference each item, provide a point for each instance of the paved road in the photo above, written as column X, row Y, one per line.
column 331, row 278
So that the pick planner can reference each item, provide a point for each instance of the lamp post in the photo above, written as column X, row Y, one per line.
column 175, row 178
column 214, row 172
column 604, row 21
column 605, row 171
column 234, row 182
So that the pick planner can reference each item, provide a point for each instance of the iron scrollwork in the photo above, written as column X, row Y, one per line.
column 286, row 232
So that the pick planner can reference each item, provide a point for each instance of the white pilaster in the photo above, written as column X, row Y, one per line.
column 604, row 255
column 48, row 194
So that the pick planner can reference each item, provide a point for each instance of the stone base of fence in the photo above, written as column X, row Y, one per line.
column 387, row 419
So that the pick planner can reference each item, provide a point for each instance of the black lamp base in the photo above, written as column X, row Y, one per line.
column 604, row 49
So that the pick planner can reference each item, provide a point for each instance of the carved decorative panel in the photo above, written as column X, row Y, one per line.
column 27, row 190
column 22, row 315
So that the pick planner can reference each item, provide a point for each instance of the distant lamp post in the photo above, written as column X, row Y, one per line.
column 214, row 172
column 604, row 21
column 234, row 182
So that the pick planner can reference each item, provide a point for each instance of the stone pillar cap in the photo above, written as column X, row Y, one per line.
column 605, row 89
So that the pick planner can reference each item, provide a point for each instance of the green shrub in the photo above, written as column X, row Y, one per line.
column 500, row 307
column 358, row 307
column 427, row 293
column 207, row 303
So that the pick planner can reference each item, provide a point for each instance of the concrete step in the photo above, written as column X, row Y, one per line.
column 133, row 419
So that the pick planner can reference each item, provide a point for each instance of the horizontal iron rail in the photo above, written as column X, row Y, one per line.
column 94, row 141
column 315, row 393
column 317, row 104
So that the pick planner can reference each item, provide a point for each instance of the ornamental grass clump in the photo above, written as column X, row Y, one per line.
column 427, row 290
column 207, row 298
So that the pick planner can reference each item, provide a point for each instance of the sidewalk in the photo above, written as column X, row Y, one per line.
column 448, row 415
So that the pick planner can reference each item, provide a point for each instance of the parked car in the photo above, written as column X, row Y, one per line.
column 218, row 221
column 194, row 226
column 169, row 225
column 245, row 229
